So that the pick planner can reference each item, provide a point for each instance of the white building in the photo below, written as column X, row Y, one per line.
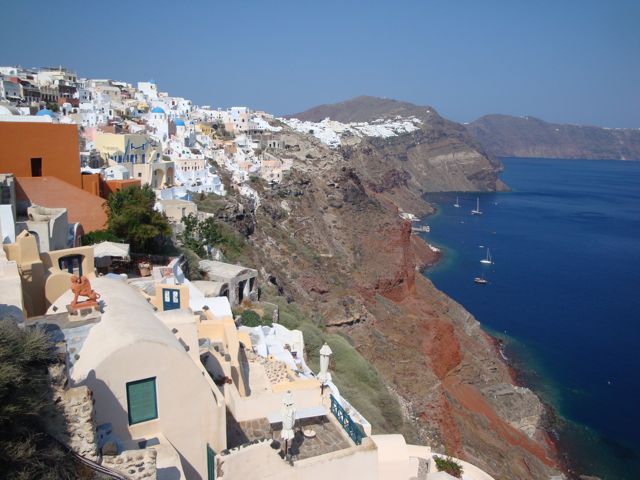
column 158, row 124
column 149, row 89
column 148, row 383
column 10, row 90
column 239, row 116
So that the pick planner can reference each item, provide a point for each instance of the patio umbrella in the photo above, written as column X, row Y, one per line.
column 104, row 252
column 111, row 249
column 288, row 419
column 324, row 376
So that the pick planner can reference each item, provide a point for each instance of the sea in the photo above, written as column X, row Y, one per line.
column 563, row 294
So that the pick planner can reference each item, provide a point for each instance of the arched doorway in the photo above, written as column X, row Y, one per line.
column 158, row 178
column 169, row 176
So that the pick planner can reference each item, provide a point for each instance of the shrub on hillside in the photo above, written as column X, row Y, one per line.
column 250, row 318
column 26, row 451
column 192, row 268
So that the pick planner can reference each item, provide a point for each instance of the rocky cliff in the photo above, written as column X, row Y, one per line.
column 506, row 136
column 331, row 237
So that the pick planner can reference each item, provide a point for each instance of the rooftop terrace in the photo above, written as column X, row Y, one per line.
column 328, row 435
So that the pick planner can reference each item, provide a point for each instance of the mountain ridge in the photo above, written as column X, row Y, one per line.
column 363, row 108
column 508, row 136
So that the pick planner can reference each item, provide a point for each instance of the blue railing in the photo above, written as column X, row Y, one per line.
column 352, row 428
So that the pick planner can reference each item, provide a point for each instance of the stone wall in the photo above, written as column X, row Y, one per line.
column 134, row 464
column 72, row 419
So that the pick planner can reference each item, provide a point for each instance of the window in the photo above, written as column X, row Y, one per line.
column 36, row 167
column 72, row 264
column 141, row 400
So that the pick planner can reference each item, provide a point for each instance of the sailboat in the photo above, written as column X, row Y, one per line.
column 487, row 260
column 457, row 204
column 481, row 280
column 477, row 210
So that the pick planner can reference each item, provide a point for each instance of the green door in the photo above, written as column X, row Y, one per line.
column 211, row 464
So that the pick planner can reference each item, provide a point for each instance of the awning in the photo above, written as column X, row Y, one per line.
column 111, row 249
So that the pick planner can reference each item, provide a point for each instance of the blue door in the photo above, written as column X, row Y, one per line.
column 170, row 299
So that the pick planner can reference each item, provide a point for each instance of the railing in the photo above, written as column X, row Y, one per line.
column 352, row 428
column 105, row 471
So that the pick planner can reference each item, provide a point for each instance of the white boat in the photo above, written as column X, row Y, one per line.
column 477, row 210
column 487, row 261
column 457, row 204
column 480, row 280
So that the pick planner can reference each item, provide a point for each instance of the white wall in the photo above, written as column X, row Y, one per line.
column 188, row 415
column 7, row 224
column 353, row 463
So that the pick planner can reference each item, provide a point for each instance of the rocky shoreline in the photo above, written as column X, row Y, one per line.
column 550, row 430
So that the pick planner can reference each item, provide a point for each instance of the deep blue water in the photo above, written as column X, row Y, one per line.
column 563, row 293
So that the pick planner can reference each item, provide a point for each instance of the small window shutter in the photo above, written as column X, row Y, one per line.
column 141, row 400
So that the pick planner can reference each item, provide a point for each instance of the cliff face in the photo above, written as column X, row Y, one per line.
column 506, row 136
column 331, row 237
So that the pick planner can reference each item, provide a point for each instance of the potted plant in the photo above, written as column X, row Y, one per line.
column 448, row 465
column 144, row 267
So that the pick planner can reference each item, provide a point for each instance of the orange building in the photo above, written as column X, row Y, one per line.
column 30, row 149
column 111, row 186
column 95, row 184
column 91, row 183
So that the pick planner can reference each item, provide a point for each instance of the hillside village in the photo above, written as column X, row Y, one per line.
column 160, row 373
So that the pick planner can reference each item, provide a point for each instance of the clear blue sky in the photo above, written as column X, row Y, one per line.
column 574, row 61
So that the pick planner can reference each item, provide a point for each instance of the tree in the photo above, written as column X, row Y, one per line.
column 196, row 236
column 98, row 236
column 190, row 236
column 26, row 451
column 131, row 217
column 210, row 232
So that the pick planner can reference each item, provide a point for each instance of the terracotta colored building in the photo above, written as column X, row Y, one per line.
column 40, row 149
column 110, row 186
column 82, row 206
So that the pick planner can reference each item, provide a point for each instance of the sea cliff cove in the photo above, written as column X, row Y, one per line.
column 309, row 240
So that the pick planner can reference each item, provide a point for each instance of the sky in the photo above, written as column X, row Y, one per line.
column 569, row 61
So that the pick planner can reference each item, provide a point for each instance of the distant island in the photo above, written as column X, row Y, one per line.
column 507, row 136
